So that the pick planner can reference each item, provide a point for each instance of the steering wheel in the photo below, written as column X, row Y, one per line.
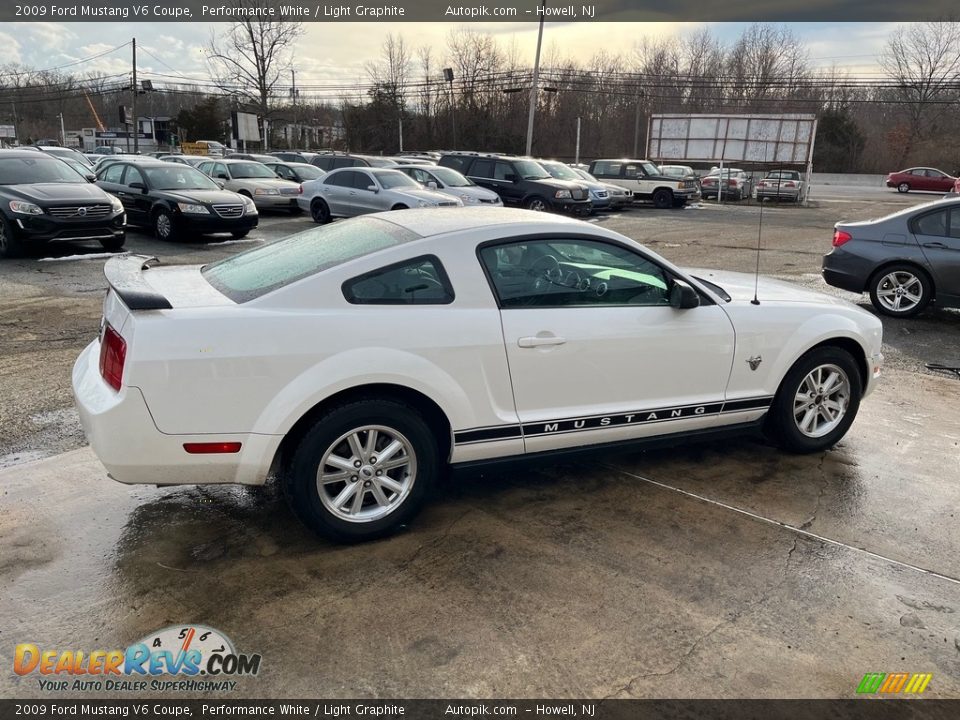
column 548, row 266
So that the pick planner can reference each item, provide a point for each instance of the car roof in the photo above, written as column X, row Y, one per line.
column 16, row 153
column 427, row 222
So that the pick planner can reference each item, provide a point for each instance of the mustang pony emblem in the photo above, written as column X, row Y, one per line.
column 754, row 362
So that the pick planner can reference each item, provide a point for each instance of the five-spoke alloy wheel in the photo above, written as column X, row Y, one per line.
column 900, row 290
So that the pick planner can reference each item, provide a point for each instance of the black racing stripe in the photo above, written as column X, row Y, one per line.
column 639, row 417
column 503, row 432
column 748, row 404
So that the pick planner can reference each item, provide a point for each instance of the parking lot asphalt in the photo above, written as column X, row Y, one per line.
column 718, row 570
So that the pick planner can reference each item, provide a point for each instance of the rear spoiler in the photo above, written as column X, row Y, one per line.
column 125, row 275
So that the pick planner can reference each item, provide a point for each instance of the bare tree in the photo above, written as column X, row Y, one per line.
column 252, row 56
column 923, row 59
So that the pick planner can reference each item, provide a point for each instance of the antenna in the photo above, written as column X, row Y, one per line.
column 756, row 272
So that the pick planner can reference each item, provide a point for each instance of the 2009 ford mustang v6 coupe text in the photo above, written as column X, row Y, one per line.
column 356, row 359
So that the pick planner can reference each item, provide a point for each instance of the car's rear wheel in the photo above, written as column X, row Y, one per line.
column 537, row 204
column 319, row 211
column 903, row 187
column 363, row 470
column 817, row 401
column 10, row 246
column 163, row 225
column 113, row 244
column 901, row 290
column 662, row 199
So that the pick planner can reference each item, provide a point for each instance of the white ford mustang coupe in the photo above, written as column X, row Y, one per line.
column 356, row 360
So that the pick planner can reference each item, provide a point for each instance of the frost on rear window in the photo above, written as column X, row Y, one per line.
column 270, row 267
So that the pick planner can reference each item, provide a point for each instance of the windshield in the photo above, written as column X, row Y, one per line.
column 307, row 172
column 177, row 177
column 530, row 170
column 40, row 169
column 560, row 171
column 390, row 179
column 450, row 178
column 250, row 170
column 585, row 175
column 65, row 153
column 267, row 268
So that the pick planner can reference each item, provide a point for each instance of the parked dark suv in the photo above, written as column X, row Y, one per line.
column 43, row 199
column 521, row 181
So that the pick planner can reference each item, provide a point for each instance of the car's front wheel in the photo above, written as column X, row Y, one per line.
column 662, row 199
column 903, row 187
column 363, row 470
column 817, row 401
column 537, row 204
column 901, row 290
column 163, row 225
column 10, row 246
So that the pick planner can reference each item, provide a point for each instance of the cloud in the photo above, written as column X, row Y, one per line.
column 9, row 49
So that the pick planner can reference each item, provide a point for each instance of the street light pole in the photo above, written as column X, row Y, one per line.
column 536, row 80
column 63, row 133
column 136, row 123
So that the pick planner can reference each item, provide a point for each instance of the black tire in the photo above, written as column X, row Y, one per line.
column 163, row 226
column 662, row 199
column 10, row 246
column 782, row 424
column 319, row 211
column 113, row 244
column 239, row 234
column 903, row 187
column 300, row 477
column 537, row 204
column 885, row 283
column 399, row 206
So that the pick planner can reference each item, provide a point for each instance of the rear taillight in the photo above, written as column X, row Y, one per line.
column 113, row 353
column 212, row 448
column 840, row 237
column 790, row 184
column 734, row 183
column 300, row 189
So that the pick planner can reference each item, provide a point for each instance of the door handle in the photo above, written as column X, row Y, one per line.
column 540, row 341
column 938, row 245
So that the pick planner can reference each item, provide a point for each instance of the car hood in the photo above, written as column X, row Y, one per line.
column 57, row 192
column 203, row 196
column 471, row 191
column 264, row 182
column 740, row 287
column 561, row 184
column 614, row 189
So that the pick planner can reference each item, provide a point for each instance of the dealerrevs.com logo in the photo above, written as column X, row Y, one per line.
column 199, row 657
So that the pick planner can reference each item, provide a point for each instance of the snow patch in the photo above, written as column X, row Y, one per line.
column 90, row 256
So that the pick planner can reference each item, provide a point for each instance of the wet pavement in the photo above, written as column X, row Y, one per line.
column 718, row 570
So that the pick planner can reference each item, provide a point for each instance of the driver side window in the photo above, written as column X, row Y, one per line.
column 573, row 273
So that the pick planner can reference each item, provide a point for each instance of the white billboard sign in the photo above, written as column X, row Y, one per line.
column 245, row 127
column 786, row 139
column 7, row 131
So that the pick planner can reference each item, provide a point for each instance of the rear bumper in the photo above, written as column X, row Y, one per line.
column 844, row 271
column 276, row 202
column 122, row 434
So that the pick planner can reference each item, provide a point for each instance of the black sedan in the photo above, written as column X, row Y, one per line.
column 906, row 260
column 43, row 199
column 296, row 171
column 176, row 200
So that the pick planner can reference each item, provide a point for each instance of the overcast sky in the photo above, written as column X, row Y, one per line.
column 337, row 52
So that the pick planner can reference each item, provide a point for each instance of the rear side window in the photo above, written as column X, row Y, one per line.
column 605, row 168
column 457, row 163
column 267, row 268
column 482, row 168
column 932, row 224
column 421, row 281
column 113, row 173
column 324, row 163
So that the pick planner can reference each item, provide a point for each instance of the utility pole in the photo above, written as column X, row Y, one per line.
column 536, row 80
column 576, row 158
column 136, row 123
column 16, row 123
column 636, row 125
column 448, row 76
column 293, row 100
column 63, row 133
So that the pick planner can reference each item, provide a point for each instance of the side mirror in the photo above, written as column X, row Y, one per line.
column 510, row 177
column 219, row 184
column 431, row 185
column 373, row 188
column 138, row 186
column 683, row 297
column 90, row 177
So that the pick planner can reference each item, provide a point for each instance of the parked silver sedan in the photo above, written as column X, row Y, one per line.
column 450, row 182
column 256, row 181
column 359, row 190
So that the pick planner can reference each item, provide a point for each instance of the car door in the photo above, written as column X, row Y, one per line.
column 111, row 179
column 335, row 189
column 595, row 350
column 509, row 184
column 481, row 172
column 136, row 200
column 363, row 198
column 939, row 181
column 938, row 234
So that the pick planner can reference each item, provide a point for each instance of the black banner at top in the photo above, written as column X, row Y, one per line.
column 486, row 12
